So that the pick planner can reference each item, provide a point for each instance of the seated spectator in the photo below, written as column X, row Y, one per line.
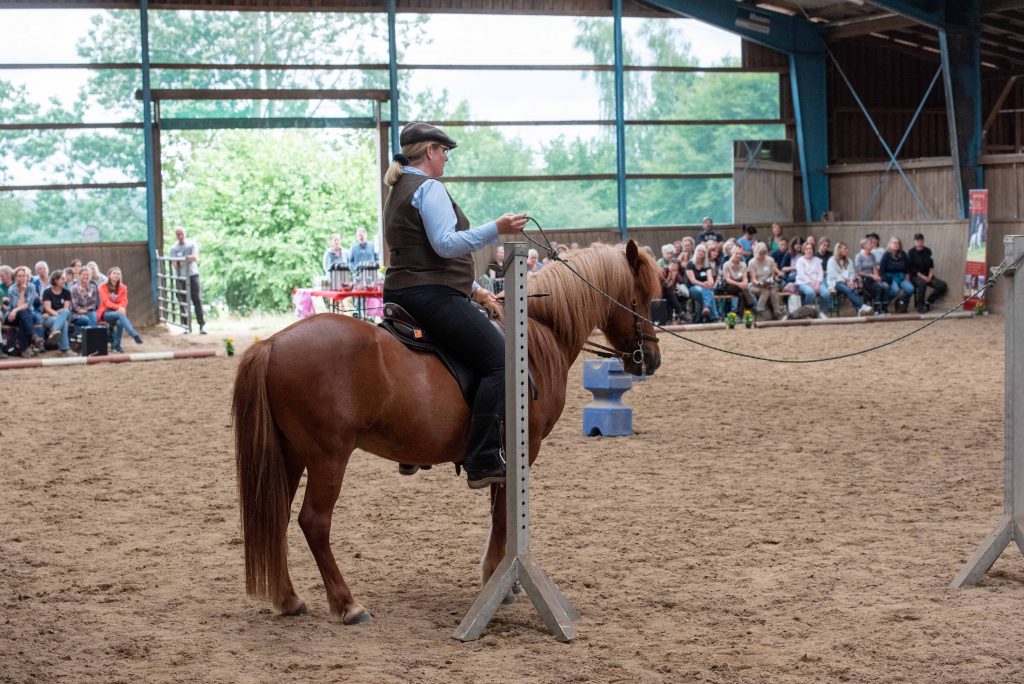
column 871, row 283
column 668, row 253
column 715, row 256
column 779, row 251
column 876, row 249
column 788, row 263
column 678, row 244
column 747, row 241
column 95, row 276
column 6, row 280
column 533, row 261
column 841, row 277
column 76, row 265
column 895, row 270
column 700, row 274
column 922, row 275
column 69, row 278
column 574, row 246
column 688, row 245
column 764, row 273
column 334, row 254
column 113, row 309
column 776, row 237
column 727, row 248
column 22, row 296
column 824, row 249
column 57, row 312
column 734, row 274
column 671, row 278
column 42, row 278
column 810, row 279
column 85, row 300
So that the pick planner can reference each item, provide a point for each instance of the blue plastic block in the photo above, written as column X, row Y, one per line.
column 606, row 415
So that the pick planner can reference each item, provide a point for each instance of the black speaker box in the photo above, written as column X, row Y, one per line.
column 659, row 311
column 94, row 341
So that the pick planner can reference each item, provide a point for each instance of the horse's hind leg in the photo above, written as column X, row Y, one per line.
column 323, row 484
column 289, row 602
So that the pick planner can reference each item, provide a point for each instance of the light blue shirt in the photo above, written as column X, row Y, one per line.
column 438, row 214
column 361, row 253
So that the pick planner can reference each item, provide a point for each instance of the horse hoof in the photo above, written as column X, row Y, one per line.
column 301, row 610
column 360, row 618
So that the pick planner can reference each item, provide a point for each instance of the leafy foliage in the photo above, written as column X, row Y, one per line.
column 261, row 208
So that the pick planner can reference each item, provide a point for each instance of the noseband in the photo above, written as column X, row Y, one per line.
column 637, row 354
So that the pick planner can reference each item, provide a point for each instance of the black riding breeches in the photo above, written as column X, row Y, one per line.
column 450, row 317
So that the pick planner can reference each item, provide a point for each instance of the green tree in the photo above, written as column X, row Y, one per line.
column 262, row 207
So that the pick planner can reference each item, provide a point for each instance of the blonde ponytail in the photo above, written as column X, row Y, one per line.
column 414, row 153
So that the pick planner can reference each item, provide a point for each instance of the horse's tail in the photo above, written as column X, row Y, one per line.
column 262, row 481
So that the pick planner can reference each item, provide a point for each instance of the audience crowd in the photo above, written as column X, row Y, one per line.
column 704, row 278
column 42, row 309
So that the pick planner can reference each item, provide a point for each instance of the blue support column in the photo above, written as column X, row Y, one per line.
column 147, row 135
column 807, row 74
column 393, row 76
column 960, row 45
column 620, row 121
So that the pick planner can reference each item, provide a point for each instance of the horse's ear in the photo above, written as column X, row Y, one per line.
column 633, row 255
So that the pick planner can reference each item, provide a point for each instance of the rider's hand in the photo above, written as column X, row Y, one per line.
column 509, row 224
column 488, row 300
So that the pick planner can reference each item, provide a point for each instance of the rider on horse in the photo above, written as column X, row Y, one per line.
column 431, row 273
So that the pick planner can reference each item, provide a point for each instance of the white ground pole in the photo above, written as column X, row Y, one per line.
column 518, row 564
column 1011, row 525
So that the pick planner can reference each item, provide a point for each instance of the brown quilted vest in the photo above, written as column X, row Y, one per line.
column 413, row 261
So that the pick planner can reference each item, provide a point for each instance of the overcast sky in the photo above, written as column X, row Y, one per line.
column 30, row 36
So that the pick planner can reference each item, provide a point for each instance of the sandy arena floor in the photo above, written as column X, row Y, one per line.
column 766, row 524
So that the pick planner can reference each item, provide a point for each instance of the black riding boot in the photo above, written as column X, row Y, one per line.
column 485, row 463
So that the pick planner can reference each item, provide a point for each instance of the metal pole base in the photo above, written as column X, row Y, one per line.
column 554, row 608
column 1008, row 530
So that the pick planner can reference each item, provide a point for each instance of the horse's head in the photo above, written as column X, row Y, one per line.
column 627, row 328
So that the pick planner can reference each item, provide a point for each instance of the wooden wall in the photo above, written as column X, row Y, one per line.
column 851, row 186
column 131, row 257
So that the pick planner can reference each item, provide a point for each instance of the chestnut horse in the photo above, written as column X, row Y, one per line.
column 309, row 395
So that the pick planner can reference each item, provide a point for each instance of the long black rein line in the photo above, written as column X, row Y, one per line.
column 554, row 256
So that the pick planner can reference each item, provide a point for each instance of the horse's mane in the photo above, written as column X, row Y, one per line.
column 573, row 308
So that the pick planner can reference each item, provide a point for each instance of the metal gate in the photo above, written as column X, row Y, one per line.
column 174, row 296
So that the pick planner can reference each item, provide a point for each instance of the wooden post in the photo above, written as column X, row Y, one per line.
column 518, row 564
column 1011, row 525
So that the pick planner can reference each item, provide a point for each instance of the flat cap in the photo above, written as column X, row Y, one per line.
column 417, row 132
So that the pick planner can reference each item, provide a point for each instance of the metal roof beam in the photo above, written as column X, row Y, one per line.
column 782, row 32
column 927, row 12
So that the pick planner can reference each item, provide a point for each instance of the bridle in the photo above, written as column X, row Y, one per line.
column 637, row 354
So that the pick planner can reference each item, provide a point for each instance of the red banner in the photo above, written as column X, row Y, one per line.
column 977, row 232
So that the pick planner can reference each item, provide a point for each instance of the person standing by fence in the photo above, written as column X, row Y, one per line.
column 185, row 256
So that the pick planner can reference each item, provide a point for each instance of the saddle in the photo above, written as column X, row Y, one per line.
column 409, row 332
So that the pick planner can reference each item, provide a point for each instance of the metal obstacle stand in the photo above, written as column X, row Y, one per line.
column 174, row 294
column 1011, row 526
column 518, row 564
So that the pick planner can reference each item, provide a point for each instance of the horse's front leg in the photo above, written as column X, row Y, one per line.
column 495, row 550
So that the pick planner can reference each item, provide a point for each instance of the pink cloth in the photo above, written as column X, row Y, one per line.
column 303, row 302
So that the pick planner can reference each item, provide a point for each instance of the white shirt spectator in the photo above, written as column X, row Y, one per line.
column 809, row 271
column 837, row 274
